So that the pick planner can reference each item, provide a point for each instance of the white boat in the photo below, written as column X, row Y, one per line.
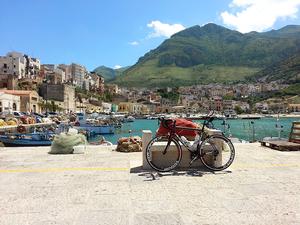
column 88, row 125
column 128, row 119
column 249, row 117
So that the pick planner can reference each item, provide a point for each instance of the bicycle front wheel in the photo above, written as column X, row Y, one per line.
column 217, row 152
column 163, row 154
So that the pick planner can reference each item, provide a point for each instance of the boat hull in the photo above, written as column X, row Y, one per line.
column 23, row 143
column 30, row 139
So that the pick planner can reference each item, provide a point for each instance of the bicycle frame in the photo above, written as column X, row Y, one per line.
column 173, row 134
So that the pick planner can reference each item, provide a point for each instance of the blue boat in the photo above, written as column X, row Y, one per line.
column 28, row 139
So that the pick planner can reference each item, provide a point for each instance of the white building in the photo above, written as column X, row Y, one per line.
column 20, row 65
column 68, row 71
column 78, row 74
column 13, row 63
column 106, row 107
column 56, row 71
column 9, row 103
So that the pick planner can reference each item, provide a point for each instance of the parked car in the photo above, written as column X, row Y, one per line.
column 17, row 114
column 38, row 114
column 51, row 114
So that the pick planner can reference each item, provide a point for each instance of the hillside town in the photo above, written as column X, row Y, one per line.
column 27, row 85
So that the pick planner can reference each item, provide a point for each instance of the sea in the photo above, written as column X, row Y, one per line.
column 246, row 130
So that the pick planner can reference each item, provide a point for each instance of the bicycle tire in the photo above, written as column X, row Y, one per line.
column 210, row 149
column 163, row 162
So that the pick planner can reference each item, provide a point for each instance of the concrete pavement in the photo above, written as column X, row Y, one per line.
column 107, row 187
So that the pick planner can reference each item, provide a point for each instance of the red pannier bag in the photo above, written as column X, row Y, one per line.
column 189, row 134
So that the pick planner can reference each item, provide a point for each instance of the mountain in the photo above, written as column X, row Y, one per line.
column 211, row 54
column 109, row 74
column 286, row 71
column 106, row 72
column 120, row 71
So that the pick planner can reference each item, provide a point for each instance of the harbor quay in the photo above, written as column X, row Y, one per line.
column 102, row 186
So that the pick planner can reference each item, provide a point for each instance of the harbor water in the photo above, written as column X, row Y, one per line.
column 244, row 129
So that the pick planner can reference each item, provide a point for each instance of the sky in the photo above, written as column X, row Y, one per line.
column 116, row 33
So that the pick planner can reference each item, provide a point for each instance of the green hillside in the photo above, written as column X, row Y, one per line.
column 174, row 76
column 106, row 72
column 211, row 53
column 287, row 71
column 109, row 74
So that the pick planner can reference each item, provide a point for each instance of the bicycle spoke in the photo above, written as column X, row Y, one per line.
column 163, row 158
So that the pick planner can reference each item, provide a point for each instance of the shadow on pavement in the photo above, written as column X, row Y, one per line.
column 152, row 175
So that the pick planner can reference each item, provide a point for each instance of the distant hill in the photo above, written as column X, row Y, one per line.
column 109, row 74
column 106, row 72
column 211, row 53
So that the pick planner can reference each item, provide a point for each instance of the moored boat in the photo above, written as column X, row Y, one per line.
column 249, row 117
column 96, row 129
column 93, row 126
column 28, row 139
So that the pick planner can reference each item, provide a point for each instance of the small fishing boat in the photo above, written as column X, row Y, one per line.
column 27, row 139
column 249, row 117
column 91, row 126
column 128, row 119
column 95, row 128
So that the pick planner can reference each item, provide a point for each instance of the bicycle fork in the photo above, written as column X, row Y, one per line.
column 167, row 146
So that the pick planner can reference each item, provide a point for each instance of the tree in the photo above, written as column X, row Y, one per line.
column 238, row 109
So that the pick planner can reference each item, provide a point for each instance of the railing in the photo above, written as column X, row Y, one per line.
column 295, row 133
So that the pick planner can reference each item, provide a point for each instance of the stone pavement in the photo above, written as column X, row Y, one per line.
column 107, row 187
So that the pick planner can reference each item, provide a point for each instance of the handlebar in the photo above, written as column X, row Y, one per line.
column 171, row 123
column 166, row 122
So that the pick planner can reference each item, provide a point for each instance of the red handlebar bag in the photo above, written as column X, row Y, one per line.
column 189, row 134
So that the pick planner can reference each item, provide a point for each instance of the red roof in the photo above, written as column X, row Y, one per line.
column 16, row 92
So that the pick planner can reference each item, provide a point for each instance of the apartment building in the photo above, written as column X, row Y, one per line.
column 20, row 65
column 53, row 74
column 14, row 63
column 68, row 71
column 78, row 73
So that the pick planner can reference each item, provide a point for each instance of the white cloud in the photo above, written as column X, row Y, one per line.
column 117, row 67
column 134, row 43
column 163, row 29
column 259, row 15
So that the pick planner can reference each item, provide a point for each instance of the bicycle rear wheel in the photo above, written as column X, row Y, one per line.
column 217, row 152
column 163, row 157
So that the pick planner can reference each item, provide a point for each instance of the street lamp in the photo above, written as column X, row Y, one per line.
column 46, row 82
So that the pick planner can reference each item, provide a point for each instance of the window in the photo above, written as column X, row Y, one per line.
column 0, row 106
column 34, row 98
column 14, row 107
column 5, row 65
